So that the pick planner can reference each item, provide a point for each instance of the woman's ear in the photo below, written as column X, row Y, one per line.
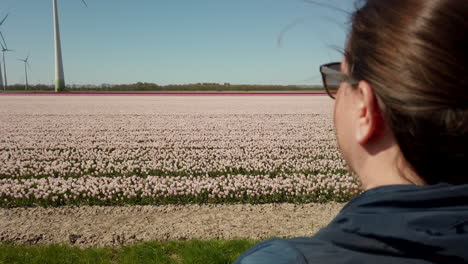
column 368, row 118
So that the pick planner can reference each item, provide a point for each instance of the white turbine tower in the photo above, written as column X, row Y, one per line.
column 4, row 49
column 1, row 72
column 2, row 84
column 26, row 63
column 59, row 76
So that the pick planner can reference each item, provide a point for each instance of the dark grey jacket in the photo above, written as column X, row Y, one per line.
column 390, row 224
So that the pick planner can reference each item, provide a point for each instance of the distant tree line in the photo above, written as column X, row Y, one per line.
column 152, row 87
column 31, row 87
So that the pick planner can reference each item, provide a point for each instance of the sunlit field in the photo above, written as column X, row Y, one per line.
column 115, row 150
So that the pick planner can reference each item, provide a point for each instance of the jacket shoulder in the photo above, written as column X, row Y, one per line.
column 280, row 251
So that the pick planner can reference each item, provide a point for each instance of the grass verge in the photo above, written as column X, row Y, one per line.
column 192, row 251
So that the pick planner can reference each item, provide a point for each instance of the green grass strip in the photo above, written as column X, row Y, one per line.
column 180, row 252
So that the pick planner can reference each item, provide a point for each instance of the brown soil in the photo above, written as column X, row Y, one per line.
column 89, row 226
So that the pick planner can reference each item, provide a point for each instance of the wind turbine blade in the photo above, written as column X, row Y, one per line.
column 3, row 20
column 3, row 47
column 4, row 42
column 84, row 3
column 29, row 67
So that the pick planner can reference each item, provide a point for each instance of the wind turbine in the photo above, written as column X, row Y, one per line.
column 4, row 49
column 59, row 76
column 26, row 63
column 4, row 42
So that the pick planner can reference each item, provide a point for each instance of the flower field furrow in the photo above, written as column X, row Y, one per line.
column 76, row 147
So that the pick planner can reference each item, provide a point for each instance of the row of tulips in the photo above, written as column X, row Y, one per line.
column 163, row 190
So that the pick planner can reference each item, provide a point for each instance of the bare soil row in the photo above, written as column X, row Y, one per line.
column 89, row 226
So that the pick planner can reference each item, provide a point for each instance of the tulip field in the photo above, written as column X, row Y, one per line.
column 119, row 150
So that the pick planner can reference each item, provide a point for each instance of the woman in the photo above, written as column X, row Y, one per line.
column 401, row 119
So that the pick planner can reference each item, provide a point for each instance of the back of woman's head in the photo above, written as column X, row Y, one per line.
column 414, row 53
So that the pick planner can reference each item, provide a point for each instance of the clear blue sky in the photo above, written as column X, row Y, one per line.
column 175, row 41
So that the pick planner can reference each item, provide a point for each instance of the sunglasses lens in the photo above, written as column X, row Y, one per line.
column 333, row 81
column 332, row 84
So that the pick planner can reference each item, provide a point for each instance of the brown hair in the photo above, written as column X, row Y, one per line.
column 414, row 53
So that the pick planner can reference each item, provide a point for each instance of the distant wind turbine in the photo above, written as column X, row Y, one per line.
column 5, row 83
column 4, row 42
column 26, row 63
column 59, row 76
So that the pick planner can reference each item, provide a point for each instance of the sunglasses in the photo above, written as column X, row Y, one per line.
column 332, row 77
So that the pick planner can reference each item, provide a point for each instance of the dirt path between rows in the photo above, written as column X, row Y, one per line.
column 89, row 226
